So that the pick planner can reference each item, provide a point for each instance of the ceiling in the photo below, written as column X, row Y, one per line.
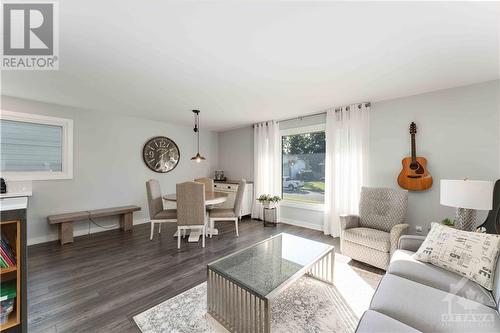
column 243, row 62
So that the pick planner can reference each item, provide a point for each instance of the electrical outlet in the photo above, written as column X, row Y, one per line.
column 418, row 229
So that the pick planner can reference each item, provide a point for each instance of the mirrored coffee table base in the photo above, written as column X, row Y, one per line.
column 239, row 307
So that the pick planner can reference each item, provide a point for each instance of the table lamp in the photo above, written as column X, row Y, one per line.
column 467, row 196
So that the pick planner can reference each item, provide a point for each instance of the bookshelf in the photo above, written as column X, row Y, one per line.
column 12, row 232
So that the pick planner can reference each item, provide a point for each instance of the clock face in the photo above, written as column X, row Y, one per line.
column 161, row 154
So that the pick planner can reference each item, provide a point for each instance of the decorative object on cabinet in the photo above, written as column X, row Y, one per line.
column 198, row 158
column 269, row 201
column 414, row 176
column 65, row 221
column 161, row 154
column 467, row 196
column 219, row 175
column 492, row 223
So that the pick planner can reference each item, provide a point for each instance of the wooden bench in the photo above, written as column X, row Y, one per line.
column 65, row 221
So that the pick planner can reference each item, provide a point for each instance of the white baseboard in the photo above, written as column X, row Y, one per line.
column 301, row 224
column 93, row 230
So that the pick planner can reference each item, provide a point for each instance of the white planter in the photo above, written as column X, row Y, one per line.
column 270, row 205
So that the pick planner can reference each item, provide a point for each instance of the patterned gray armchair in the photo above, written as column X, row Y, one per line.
column 373, row 236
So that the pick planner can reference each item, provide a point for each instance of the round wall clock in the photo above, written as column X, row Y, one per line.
column 161, row 154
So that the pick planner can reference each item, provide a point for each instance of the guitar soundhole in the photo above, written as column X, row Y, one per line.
column 414, row 166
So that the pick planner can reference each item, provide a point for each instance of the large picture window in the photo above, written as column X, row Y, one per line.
column 303, row 164
column 34, row 147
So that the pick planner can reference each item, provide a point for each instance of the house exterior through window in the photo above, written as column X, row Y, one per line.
column 303, row 165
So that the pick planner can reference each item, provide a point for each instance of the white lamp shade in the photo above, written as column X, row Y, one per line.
column 470, row 194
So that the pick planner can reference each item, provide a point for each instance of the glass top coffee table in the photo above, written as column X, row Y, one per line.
column 241, row 286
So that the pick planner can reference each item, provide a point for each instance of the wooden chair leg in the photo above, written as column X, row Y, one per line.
column 159, row 228
column 203, row 232
column 178, row 238
column 152, row 230
column 211, row 227
column 236, row 225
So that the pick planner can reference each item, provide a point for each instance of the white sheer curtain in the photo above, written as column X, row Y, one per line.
column 346, row 162
column 267, row 160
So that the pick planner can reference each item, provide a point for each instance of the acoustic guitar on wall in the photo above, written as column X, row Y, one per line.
column 414, row 176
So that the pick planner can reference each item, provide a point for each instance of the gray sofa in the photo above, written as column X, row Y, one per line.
column 418, row 297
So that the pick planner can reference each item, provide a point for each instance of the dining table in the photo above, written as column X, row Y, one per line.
column 211, row 198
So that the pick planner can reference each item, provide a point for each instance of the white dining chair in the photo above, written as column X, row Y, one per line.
column 229, row 214
column 209, row 183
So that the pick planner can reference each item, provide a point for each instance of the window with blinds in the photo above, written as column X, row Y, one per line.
column 30, row 147
column 35, row 147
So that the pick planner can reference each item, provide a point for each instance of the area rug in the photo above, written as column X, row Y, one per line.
column 306, row 306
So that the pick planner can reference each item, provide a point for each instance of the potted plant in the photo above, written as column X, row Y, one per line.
column 448, row 222
column 269, row 201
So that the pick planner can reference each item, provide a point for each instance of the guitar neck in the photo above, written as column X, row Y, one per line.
column 413, row 149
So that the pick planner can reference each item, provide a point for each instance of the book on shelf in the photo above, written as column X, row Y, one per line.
column 8, row 290
column 6, row 250
column 3, row 264
column 6, row 258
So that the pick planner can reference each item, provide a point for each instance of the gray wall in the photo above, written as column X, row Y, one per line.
column 458, row 132
column 236, row 153
column 108, row 167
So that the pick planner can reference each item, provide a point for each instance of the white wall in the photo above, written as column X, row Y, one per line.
column 108, row 167
column 236, row 153
column 458, row 132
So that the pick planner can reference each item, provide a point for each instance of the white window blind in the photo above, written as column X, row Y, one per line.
column 30, row 146
column 35, row 147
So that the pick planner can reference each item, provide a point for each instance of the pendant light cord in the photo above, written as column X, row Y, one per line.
column 198, row 131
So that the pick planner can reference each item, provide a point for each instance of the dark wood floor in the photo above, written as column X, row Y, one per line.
column 98, row 283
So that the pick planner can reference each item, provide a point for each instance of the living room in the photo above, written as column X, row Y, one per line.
column 250, row 166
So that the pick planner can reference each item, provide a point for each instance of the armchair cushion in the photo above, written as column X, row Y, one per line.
column 382, row 208
column 372, row 238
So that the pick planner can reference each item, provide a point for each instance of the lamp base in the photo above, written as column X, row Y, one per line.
column 465, row 219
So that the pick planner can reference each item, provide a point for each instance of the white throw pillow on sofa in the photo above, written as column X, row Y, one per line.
column 470, row 254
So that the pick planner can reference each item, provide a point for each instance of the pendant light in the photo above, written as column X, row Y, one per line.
column 198, row 158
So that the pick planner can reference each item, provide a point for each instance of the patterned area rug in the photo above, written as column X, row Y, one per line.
column 306, row 306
